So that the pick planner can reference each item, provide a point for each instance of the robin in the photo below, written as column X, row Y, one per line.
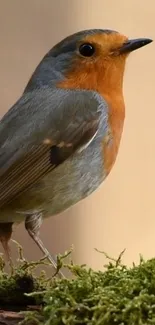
column 60, row 140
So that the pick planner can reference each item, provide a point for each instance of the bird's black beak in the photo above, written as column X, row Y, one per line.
column 134, row 44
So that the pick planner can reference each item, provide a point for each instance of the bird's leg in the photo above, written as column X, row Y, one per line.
column 5, row 235
column 32, row 225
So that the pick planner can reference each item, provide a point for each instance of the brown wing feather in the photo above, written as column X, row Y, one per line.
column 41, row 160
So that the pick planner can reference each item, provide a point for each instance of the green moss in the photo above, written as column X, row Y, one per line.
column 118, row 295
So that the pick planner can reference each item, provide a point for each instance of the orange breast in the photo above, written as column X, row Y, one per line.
column 108, row 82
column 116, row 122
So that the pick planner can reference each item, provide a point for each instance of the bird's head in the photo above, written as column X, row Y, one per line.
column 91, row 59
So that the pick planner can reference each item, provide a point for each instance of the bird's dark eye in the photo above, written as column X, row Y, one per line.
column 86, row 50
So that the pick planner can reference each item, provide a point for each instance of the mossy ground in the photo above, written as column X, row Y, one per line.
column 118, row 295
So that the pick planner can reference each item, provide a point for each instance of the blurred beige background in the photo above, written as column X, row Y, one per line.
column 121, row 214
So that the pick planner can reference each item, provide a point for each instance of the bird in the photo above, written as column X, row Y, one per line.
column 61, row 138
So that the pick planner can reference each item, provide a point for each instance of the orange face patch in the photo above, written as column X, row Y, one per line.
column 105, row 43
column 102, row 72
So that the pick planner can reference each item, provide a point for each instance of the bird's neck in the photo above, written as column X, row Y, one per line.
column 112, row 92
